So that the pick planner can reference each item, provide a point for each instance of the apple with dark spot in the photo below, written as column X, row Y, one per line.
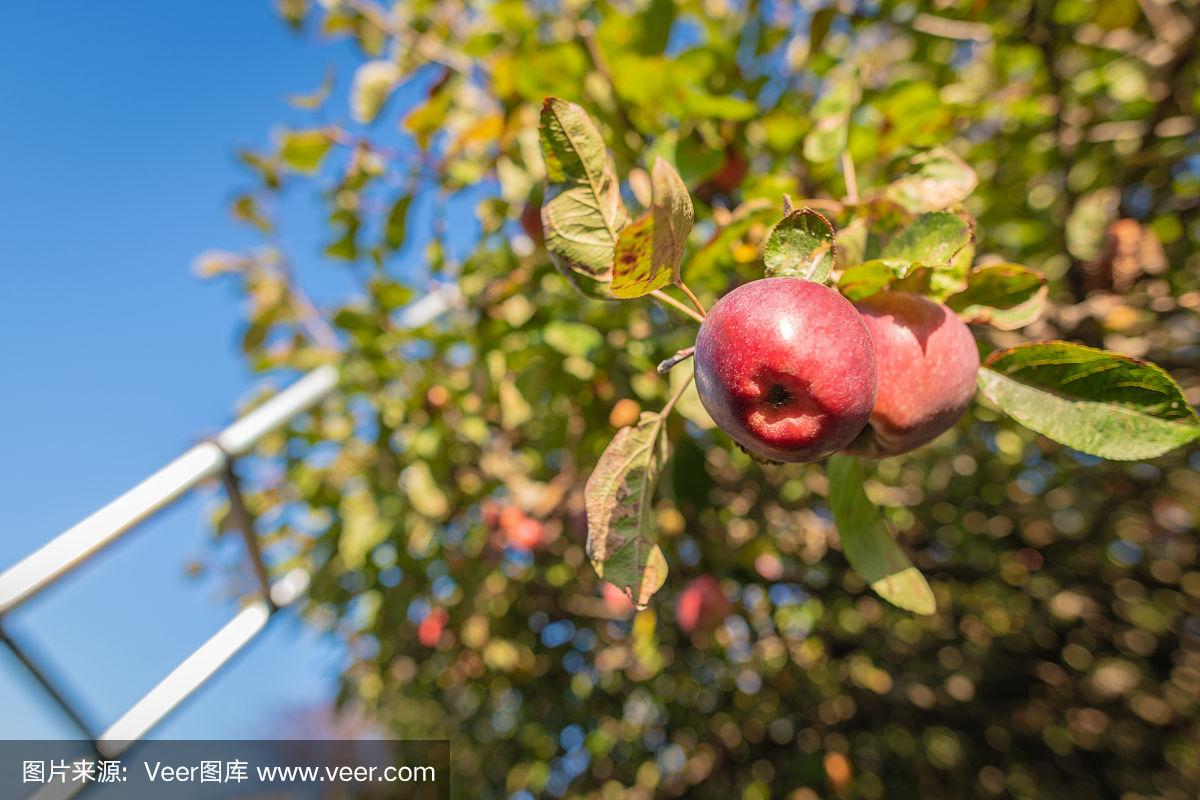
column 928, row 362
column 786, row 367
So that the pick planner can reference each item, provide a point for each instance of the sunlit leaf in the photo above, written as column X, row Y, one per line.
column 939, row 180
column 572, row 338
column 618, row 498
column 362, row 528
column 876, row 275
column 373, row 84
column 941, row 241
column 424, row 494
column 426, row 120
column 1005, row 296
column 245, row 209
column 304, row 151
column 584, row 214
column 868, row 546
column 649, row 251
column 800, row 246
column 394, row 226
column 316, row 98
column 1094, row 401
column 831, row 117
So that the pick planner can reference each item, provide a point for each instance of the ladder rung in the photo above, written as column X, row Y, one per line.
column 78, row 543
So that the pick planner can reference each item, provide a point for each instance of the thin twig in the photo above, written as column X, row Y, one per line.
column 666, row 410
column 310, row 317
column 826, row 203
column 587, row 34
column 850, row 177
column 660, row 295
column 667, row 364
column 312, row 320
column 430, row 49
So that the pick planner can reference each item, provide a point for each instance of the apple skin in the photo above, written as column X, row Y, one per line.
column 616, row 602
column 928, row 362
column 429, row 632
column 702, row 605
column 786, row 367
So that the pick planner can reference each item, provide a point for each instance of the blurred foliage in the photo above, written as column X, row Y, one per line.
column 438, row 497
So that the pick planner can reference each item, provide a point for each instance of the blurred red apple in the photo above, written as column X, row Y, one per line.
column 702, row 605
column 429, row 632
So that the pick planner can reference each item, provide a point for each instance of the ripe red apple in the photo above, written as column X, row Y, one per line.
column 702, row 605
column 927, row 362
column 785, row 366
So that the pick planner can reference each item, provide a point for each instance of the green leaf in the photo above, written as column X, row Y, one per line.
column 1005, row 296
column 800, row 246
column 716, row 252
column 941, row 180
column 931, row 239
column 618, row 498
column 572, row 338
column 304, row 151
column 584, row 215
column 869, row 548
column 426, row 120
column 317, row 97
column 423, row 492
column 373, row 84
column 1094, row 401
column 872, row 276
column 1088, row 222
column 818, row 28
column 850, row 247
column 649, row 252
column 830, row 131
column 942, row 241
column 362, row 529
column 703, row 105
column 345, row 247
column 245, row 209
column 393, row 230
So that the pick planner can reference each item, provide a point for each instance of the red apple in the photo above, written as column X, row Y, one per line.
column 526, row 534
column 519, row 530
column 785, row 366
column 616, row 601
column 429, row 632
column 928, row 363
column 702, row 605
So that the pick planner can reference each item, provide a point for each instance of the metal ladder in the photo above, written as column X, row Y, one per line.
column 215, row 457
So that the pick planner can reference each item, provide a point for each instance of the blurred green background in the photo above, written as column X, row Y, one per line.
column 438, row 497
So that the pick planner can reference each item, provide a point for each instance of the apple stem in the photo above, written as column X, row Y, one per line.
column 692, row 296
column 660, row 295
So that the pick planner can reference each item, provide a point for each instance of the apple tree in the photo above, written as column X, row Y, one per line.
column 530, row 517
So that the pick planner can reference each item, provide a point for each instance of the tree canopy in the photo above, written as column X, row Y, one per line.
column 1032, row 164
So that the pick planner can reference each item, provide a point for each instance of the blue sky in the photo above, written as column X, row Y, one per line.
column 117, row 137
